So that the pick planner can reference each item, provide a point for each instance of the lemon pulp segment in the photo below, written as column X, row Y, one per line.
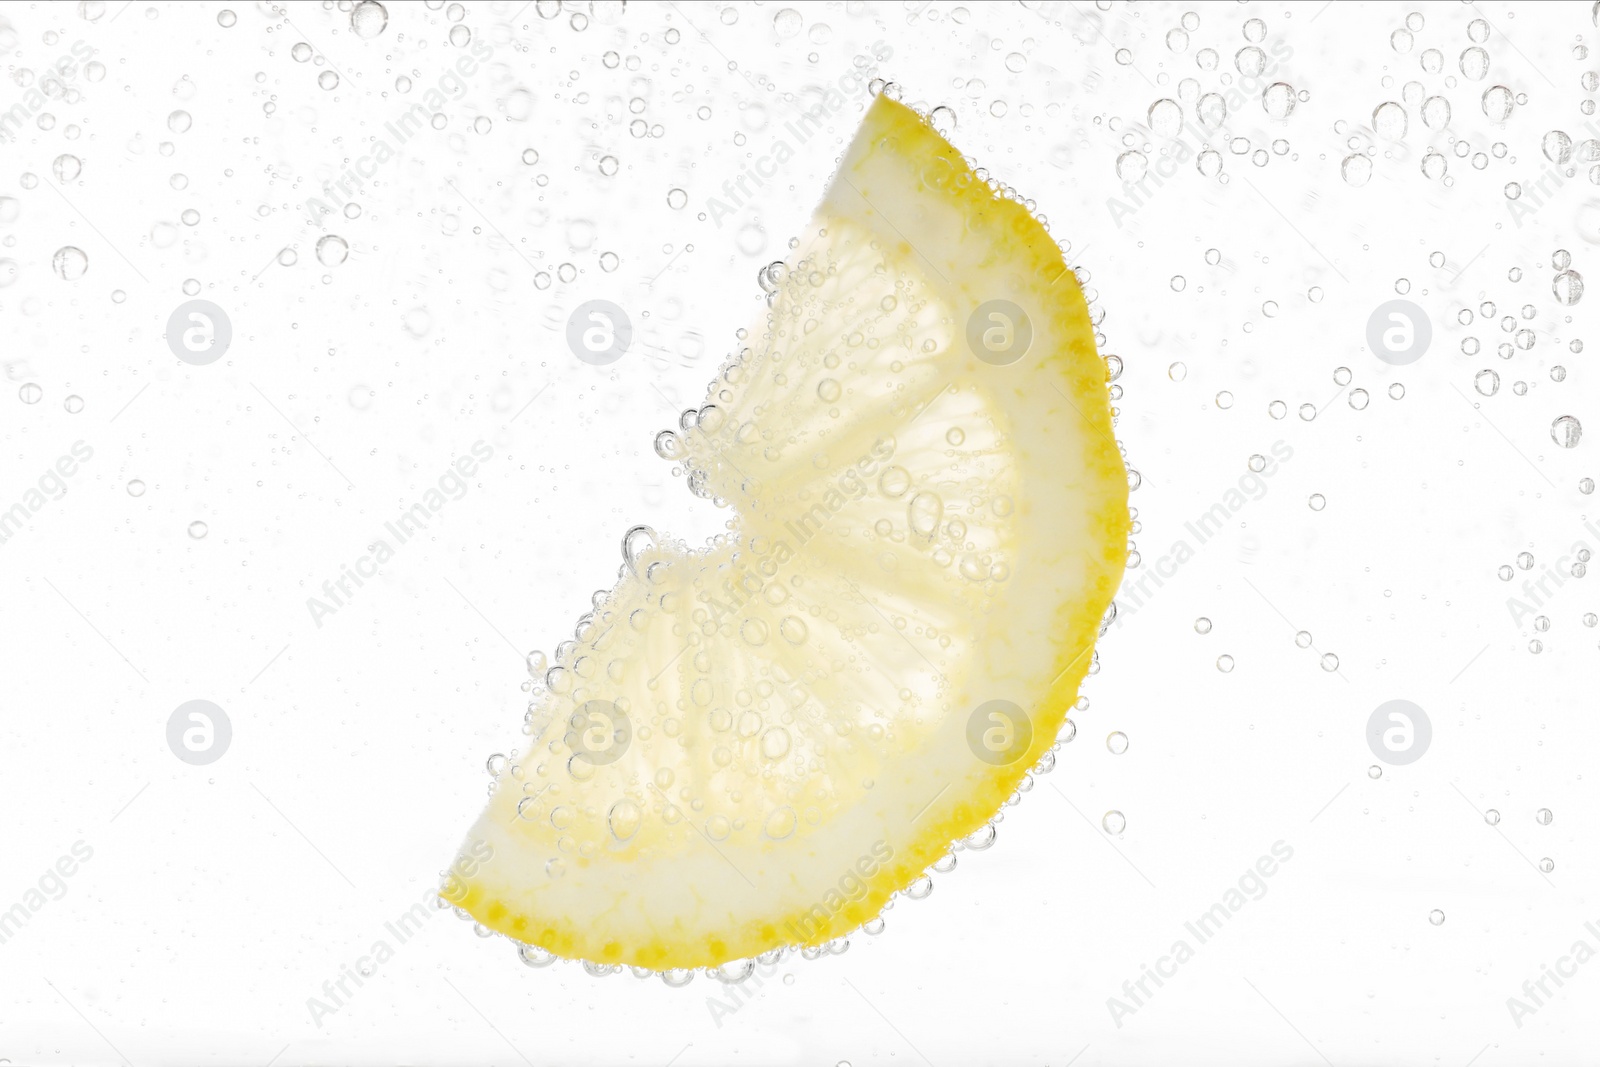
column 757, row 743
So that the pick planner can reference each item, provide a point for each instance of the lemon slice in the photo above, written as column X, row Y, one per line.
column 754, row 745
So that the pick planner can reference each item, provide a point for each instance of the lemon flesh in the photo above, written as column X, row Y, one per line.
column 756, row 744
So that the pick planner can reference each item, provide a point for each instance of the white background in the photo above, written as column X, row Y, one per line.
column 220, row 898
